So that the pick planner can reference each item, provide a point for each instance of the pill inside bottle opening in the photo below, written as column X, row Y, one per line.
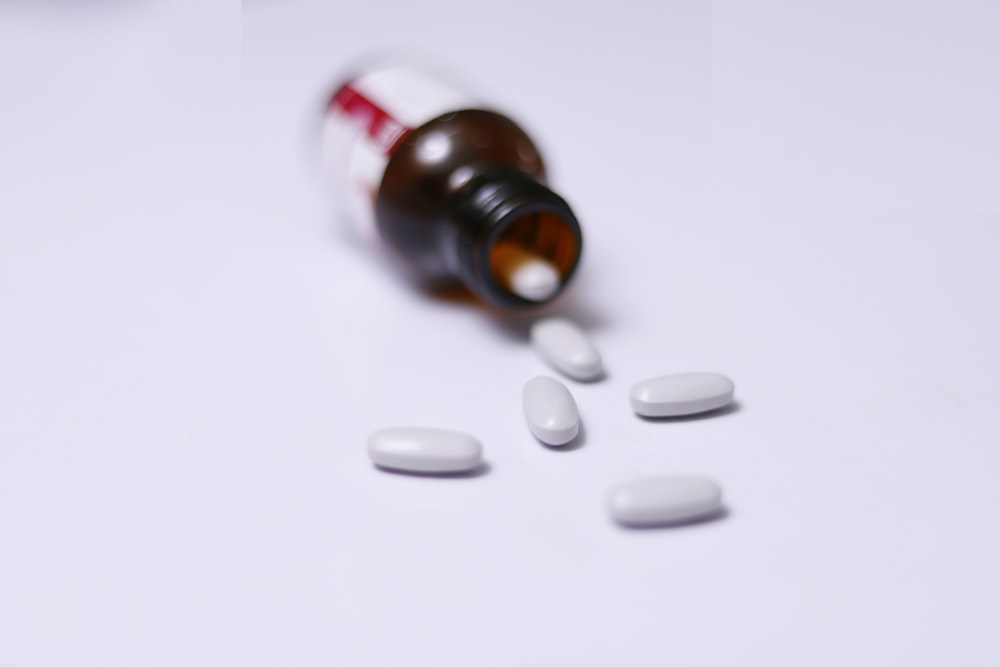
column 533, row 254
column 528, row 276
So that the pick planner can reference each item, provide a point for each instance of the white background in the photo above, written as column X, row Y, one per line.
column 802, row 196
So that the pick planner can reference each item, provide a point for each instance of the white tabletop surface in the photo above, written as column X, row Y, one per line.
column 804, row 197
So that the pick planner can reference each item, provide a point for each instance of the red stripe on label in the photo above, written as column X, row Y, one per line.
column 385, row 130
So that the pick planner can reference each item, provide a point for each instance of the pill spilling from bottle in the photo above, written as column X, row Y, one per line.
column 460, row 193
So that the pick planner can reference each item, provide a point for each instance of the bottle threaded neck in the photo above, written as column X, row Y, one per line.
column 518, row 242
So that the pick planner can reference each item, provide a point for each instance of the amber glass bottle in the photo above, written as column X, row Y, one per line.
column 458, row 191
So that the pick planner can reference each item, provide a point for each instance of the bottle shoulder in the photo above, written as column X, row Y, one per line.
column 464, row 141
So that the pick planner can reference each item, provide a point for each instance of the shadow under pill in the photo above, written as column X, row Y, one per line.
column 600, row 377
column 718, row 515
column 725, row 410
column 479, row 471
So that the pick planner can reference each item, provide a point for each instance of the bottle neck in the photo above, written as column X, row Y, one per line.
column 518, row 243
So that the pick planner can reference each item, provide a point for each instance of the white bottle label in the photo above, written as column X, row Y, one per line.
column 368, row 118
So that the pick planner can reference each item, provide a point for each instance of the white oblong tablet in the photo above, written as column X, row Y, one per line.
column 681, row 394
column 564, row 345
column 421, row 449
column 550, row 411
column 664, row 499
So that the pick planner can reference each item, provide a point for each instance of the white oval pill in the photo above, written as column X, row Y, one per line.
column 664, row 499
column 681, row 394
column 564, row 345
column 420, row 449
column 550, row 411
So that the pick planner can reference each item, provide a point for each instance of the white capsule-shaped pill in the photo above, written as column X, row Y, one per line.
column 565, row 346
column 664, row 499
column 681, row 394
column 421, row 449
column 550, row 411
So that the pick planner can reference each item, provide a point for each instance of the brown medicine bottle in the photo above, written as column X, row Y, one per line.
column 456, row 190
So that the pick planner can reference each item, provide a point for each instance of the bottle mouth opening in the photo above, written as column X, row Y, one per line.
column 532, row 254
column 519, row 242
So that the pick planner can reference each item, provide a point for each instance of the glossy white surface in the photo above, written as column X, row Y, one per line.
column 422, row 449
column 681, row 394
column 564, row 345
column 550, row 411
column 535, row 280
column 665, row 499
